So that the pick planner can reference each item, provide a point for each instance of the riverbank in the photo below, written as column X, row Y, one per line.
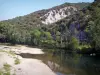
column 15, row 64
column 18, row 49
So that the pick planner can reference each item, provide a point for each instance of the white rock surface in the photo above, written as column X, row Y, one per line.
column 55, row 15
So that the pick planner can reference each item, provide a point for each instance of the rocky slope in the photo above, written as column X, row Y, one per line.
column 57, row 14
column 60, row 12
column 48, row 16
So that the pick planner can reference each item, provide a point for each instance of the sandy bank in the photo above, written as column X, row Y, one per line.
column 26, row 66
column 18, row 49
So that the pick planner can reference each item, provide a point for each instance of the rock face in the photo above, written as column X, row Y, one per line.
column 60, row 12
column 54, row 15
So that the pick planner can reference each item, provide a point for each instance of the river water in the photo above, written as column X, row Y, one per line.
column 63, row 62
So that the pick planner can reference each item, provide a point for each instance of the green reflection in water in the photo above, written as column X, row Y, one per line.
column 65, row 62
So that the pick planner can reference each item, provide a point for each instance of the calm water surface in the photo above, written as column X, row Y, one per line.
column 63, row 62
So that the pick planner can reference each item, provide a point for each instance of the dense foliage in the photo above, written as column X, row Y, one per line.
column 78, row 31
column 94, row 25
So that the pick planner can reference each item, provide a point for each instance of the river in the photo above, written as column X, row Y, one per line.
column 63, row 62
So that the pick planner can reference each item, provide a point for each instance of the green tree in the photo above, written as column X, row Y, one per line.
column 74, row 43
column 35, row 36
column 94, row 25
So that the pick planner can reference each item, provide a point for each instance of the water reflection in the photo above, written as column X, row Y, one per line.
column 63, row 62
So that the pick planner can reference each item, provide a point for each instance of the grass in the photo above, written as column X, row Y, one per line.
column 12, row 53
column 5, row 70
column 8, row 52
column 17, row 61
column 6, row 67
